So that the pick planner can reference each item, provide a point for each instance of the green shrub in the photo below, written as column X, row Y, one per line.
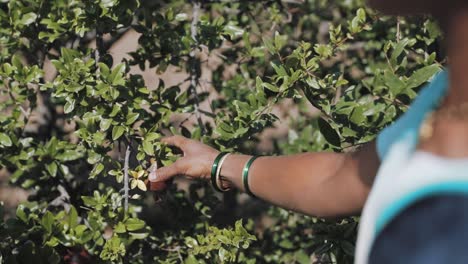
column 359, row 69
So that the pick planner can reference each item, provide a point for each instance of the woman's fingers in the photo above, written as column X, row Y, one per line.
column 165, row 173
column 176, row 141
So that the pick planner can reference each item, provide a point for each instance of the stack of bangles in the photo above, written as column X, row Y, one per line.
column 216, row 180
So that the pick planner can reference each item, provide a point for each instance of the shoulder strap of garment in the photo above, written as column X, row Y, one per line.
column 427, row 101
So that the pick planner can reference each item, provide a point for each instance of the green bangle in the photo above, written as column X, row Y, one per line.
column 245, row 176
column 214, row 168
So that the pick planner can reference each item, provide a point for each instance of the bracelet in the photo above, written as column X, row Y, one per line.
column 214, row 170
column 245, row 176
column 218, row 174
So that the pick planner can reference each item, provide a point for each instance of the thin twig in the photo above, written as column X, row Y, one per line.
column 186, row 119
column 10, row 93
column 96, row 51
column 176, row 249
column 193, row 70
column 127, row 158
column 26, row 114
column 100, row 49
column 398, row 32
column 131, row 147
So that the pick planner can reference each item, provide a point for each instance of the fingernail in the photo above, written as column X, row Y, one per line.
column 153, row 176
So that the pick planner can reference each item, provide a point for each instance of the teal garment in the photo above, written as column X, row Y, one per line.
column 446, row 188
column 427, row 100
column 407, row 175
column 406, row 128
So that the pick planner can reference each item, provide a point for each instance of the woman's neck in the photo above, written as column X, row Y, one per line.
column 456, row 29
column 450, row 135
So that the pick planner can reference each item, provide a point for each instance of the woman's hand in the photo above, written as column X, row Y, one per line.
column 196, row 162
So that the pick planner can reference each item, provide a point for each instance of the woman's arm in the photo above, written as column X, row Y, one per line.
column 321, row 184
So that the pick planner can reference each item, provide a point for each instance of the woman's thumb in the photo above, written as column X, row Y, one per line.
column 165, row 173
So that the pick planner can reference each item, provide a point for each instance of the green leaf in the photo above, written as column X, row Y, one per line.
column 148, row 147
column 104, row 69
column 72, row 217
column 98, row 168
column 16, row 61
column 134, row 235
column 89, row 201
column 191, row 260
column 133, row 184
column 280, row 71
column 270, row 87
column 119, row 228
column 21, row 214
column 394, row 83
column 181, row 17
column 233, row 31
column 257, row 52
column 116, row 76
column 269, row 45
column 246, row 40
column 28, row 19
column 47, row 221
column 114, row 93
column 329, row 133
column 259, row 84
column 7, row 68
column 357, row 116
column 280, row 40
column 105, row 124
column 131, row 118
column 133, row 224
column 117, row 132
column 5, row 140
column 69, row 106
column 398, row 50
column 70, row 155
column 222, row 254
column 361, row 14
column 324, row 51
column 287, row 244
column 433, row 30
column 141, row 185
column 79, row 230
column 152, row 136
column 170, row 14
column 52, row 169
column 422, row 75
column 302, row 257
column 115, row 110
